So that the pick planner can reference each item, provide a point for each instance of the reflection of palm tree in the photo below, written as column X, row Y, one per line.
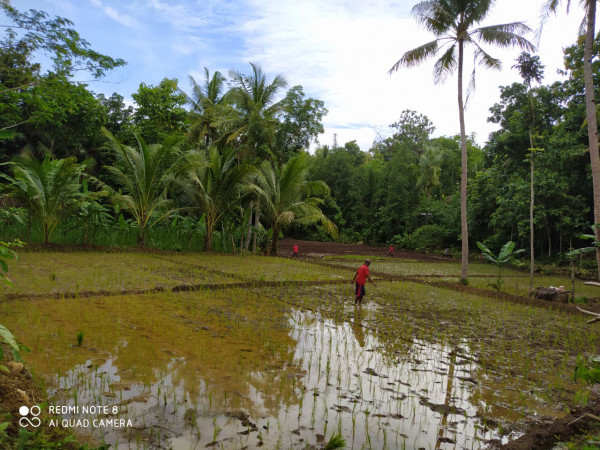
column 429, row 168
column 357, row 328
column 447, row 399
column 452, row 22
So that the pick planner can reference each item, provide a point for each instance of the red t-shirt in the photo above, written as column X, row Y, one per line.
column 391, row 249
column 363, row 271
column 295, row 249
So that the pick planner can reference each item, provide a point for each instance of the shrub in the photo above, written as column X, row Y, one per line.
column 426, row 238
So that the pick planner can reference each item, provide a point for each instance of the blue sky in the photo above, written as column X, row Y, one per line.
column 338, row 50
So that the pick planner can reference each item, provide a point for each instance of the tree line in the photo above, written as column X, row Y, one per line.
column 223, row 164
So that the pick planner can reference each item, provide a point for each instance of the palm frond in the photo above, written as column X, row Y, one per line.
column 473, row 11
column 445, row 65
column 416, row 56
column 505, row 35
column 549, row 8
column 434, row 16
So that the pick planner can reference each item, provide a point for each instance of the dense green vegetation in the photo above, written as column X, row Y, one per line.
column 225, row 165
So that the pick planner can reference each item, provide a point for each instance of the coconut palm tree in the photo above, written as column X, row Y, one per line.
column 531, row 69
column 145, row 174
column 587, row 28
column 215, row 187
column 285, row 197
column 254, row 99
column 50, row 189
column 453, row 24
column 429, row 169
column 207, row 102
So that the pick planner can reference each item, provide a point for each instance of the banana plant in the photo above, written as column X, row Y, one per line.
column 507, row 254
column 593, row 248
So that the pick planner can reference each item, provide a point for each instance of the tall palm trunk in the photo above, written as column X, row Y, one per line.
column 249, row 229
column 256, row 224
column 464, row 266
column 274, row 242
column 531, row 231
column 532, row 196
column 210, row 228
column 590, row 107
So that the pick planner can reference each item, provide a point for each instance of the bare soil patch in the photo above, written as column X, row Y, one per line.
column 315, row 249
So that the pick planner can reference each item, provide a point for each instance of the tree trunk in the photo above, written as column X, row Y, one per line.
column 590, row 108
column 256, row 224
column 273, row 251
column 142, row 238
column 464, row 266
column 46, row 228
column 532, row 193
column 209, row 234
column 208, row 240
column 249, row 231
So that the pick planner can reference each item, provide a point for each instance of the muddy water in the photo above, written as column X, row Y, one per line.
column 231, row 369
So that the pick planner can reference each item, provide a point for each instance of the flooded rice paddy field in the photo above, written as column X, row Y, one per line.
column 291, row 364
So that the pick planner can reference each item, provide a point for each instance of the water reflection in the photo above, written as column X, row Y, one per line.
column 357, row 326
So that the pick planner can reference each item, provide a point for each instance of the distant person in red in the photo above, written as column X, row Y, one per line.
column 360, row 277
column 295, row 254
column 391, row 252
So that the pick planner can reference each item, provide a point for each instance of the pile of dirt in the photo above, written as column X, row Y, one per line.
column 17, row 389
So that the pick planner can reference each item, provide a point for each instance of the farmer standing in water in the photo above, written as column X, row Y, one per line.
column 360, row 277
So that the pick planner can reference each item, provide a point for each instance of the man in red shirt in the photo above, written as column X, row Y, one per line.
column 295, row 254
column 391, row 252
column 360, row 277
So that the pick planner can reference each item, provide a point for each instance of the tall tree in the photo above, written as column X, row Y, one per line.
column 159, row 111
column 413, row 129
column 206, row 102
column 453, row 22
column 33, row 32
column 588, row 29
column 300, row 123
column 531, row 69
column 38, row 57
column 255, row 100
column 429, row 169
